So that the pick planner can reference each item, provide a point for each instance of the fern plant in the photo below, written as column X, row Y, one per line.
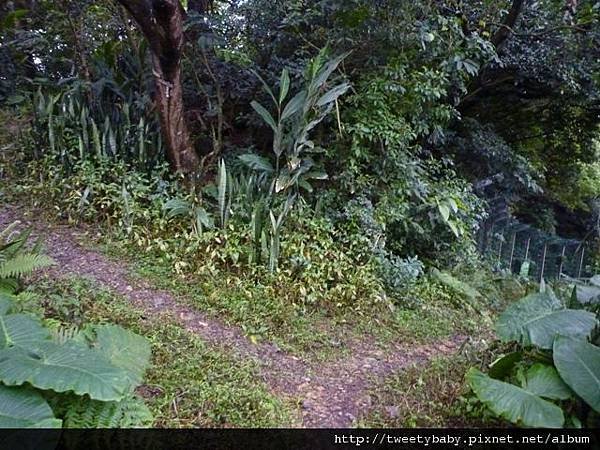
column 62, row 376
column 85, row 378
column 16, row 259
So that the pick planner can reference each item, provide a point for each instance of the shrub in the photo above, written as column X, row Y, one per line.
column 554, row 369
column 52, row 377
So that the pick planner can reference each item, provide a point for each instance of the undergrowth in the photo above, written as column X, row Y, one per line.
column 188, row 384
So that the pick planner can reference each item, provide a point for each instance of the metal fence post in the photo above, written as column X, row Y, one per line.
column 543, row 262
column 562, row 260
column 527, row 248
column 581, row 262
column 512, row 252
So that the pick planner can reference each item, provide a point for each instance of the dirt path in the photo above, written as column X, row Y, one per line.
column 331, row 395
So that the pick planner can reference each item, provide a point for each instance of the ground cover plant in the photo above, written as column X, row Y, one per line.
column 57, row 375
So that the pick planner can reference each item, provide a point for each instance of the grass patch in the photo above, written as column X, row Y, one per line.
column 428, row 395
column 188, row 384
column 264, row 314
column 253, row 307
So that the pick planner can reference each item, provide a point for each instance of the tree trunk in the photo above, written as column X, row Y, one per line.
column 169, row 102
column 161, row 22
column 507, row 25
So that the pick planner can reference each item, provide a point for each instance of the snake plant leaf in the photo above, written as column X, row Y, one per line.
column 578, row 363
column 222, row 192
column 538, row 318
column 21, row 330
column 22, row 407
column 545, row 381
column 513, row 403
column 72, row 366
column 124, row 349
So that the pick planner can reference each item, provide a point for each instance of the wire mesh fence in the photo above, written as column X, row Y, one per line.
column 520, row 248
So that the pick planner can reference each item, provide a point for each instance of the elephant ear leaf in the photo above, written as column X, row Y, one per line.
column 21, row 330
column 578, row 363
column 538, row 318
column 71, row 366
column 544, row 380
column 513, row 403
column 125, row 350
column 22, row 407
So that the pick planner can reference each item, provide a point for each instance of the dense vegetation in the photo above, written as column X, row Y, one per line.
column 296, row 169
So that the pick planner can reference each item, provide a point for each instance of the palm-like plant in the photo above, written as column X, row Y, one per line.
column 293, row 123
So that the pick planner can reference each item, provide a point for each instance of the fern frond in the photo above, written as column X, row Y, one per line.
column 82, row 412
column 14, row 246
column 62, row 334
column 8, row 285
column 23, row 265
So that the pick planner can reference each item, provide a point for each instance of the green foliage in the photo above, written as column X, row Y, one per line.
column 94, row 370
column 82, row 412
column 578, row 363
column 516, row 405
column 127, row 200
column 189, row 383
column 294, row 123
column 555, row 367
column 538, row 318
column 25, row 408
column 16, row 259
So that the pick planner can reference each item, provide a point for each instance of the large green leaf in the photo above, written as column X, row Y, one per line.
column 578, row 363
column 544, row 380
column 266, row 115
column 20, row 330
column 294, row 105
column 538, row 318
column 6, row 302
column 333, row 94
column 284, row 85
column 501, row 367
column 513, row 403
column 587, row 294
column 71, row 366
column 22, row 407
column 256, row 162
column 125, row 350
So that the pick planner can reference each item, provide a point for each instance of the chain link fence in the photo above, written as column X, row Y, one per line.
column 520, row 248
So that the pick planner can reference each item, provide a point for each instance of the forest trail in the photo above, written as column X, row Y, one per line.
column 331, row 394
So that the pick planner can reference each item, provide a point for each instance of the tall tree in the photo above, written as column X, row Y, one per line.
column 161, row 22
